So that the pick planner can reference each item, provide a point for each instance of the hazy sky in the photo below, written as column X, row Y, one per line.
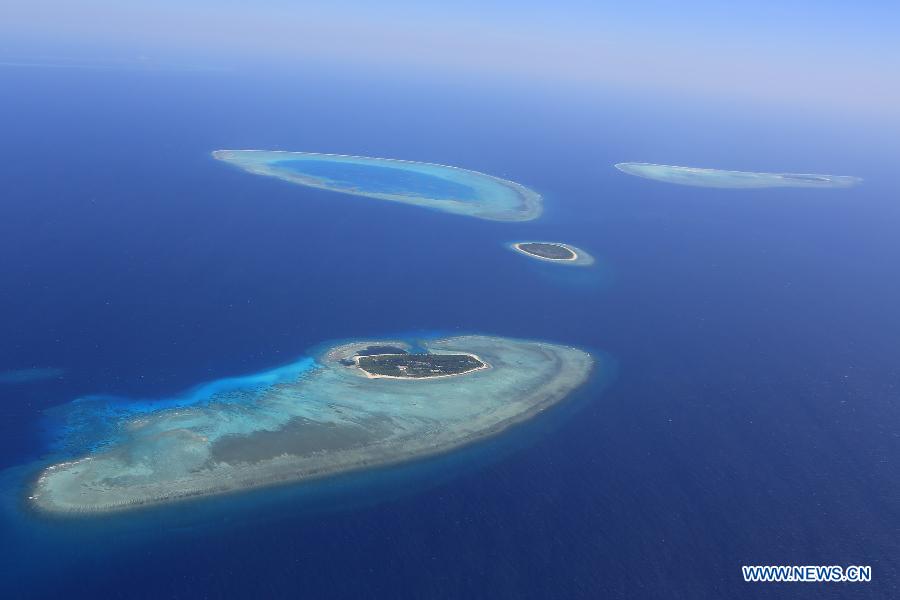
column 829, row 55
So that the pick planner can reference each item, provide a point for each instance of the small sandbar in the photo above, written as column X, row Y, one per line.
column 429, row 185
column 554, row 252
column 717, row 178
column 328, row 419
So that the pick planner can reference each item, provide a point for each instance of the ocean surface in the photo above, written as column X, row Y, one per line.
column 745, row 409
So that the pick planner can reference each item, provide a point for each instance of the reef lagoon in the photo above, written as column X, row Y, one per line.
column 440, row 187
column 717, row 178
column 321, row 416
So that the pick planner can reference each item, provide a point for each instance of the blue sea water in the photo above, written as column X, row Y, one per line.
column 744, row 413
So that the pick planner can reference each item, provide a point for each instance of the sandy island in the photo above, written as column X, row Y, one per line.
column 368, row 375
column 579, row 258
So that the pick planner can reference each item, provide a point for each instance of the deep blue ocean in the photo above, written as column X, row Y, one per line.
column 746, row 406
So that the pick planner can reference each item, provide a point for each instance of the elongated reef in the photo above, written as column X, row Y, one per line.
column 327, row 416
column 440, row 187
column 718, row 178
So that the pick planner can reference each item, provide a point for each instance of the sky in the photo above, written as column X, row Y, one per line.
column 826, row 55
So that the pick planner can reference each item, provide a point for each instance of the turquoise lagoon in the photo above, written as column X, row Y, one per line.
column 440, row 187
column 317, row 417
column 717, row 178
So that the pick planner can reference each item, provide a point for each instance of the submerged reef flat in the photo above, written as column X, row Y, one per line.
column 440, row 187
column 331, row 418
column 555, row 252
column 716, row 178
column 29, row 375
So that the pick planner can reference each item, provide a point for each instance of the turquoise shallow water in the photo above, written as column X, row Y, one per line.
column 379, row 179
column 300, row 424
column 94, row 422
column 429, row 185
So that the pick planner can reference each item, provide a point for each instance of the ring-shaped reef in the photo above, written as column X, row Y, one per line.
column 440, row 187
column 717, row 178
column 554, row 252
column 323, row 416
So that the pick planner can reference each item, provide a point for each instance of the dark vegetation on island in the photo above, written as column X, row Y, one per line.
column 370, row 350
column 551, row 251
column 419, row 365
